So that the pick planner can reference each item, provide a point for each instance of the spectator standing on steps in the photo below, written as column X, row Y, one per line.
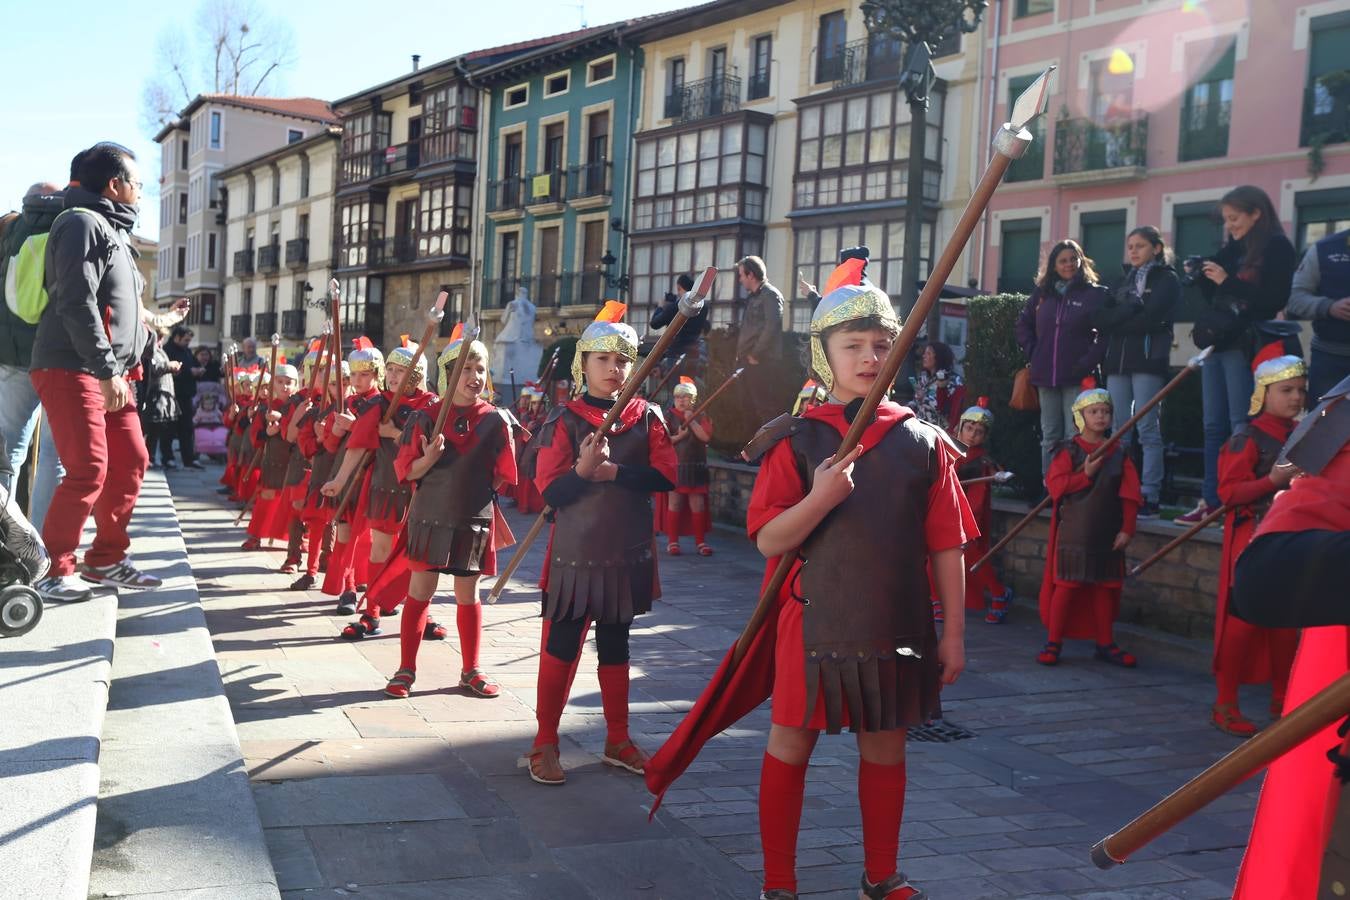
column 88, row 345
column 179, row 349
column 248, row 355
column 761, row 341
column 1136, row 323
column 1056, row 333
column 1321, row 293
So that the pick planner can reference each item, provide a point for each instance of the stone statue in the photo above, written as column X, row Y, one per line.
column 515, row 346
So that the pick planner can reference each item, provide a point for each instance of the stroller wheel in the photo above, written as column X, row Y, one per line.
column 20, row 610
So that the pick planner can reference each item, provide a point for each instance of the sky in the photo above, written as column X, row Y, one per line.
column 76, row 78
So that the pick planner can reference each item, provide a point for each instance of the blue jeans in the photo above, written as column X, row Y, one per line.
column 19, row 409
column 1127, row 391
column 1056, row 419
column 1226, row 392
column 1326, row 370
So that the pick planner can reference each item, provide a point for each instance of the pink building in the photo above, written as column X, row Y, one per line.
column 1157, row 108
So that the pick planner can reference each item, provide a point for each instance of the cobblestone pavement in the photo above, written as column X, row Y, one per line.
column 424, row 798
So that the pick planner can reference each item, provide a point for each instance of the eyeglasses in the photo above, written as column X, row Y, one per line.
column 138, row 185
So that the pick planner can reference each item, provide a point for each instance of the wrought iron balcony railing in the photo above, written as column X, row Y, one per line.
column 265, row 324
column 243, row 262
column 293, row 323
column 757, row 86
column 705, row 98
column 506, row 194
column 269, row 257
column 401, row 248
column 297, row 252
column 546, row 187
column 1082, row 145
column 239, row 326
column 589, row 180
column 1326, row 109
column 869, row 59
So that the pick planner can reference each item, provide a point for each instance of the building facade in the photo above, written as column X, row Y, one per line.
column 556, row 155
column 214, row 132
column 1156, row 110
column 278, row 210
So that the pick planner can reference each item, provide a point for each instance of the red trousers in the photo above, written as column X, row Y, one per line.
column 105, row 458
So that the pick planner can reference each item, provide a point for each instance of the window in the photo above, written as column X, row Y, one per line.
column 181, row 269
column 354, row 233
column 183, row 154
column 817, row 254
column 830, row 47
column 761, row 55
column 557, row 84
column 1019, row 255
column 272, row 298
column 415, row 93
column 363, row 307
column 443, row 219
column 1206, row 108
column 298, row 294
column 276, row 185
column 1320, row 213
column 246, row 304
column 702, row 175
column 516, row 96
column 252, row 194
column 304, row 176
column 362, row 136
column 182, row 207
column 674, row 88
column 654, row 267
column 600, row 70
column 1023, row 8
column 1102, row 235
column 213, row 189
column 1326, row 99
column 1032, row 165
column 194, row 195
column 1111, row 93
column 204, row 310
column 553, row 147
column 449, row 116
column 294, row 135
column 215, row 130
column 211, row 250
column 1196, row 231
column 194, row 247
column 302, row 226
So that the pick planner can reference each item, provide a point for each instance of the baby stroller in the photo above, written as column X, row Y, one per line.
column 23, row 560
column 208, row 422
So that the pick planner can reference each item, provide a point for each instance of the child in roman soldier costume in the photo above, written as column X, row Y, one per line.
column 251, row 419
column 854, row 643
column 454, row 525
column 296, row 480
column 1248, row 480
column 1092, row 520
column 382, row 497
column 311, row 440
column 237, row 421
column 982, row 587
column 808, row 398
column 687, row 505
column 269, row 520
column 1293, row 575
column 526, row 492
column 600, row 566
column 347, row 564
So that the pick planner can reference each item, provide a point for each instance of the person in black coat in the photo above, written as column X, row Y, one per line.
column 178, row 348
column 1137, row 323
column 159, row 401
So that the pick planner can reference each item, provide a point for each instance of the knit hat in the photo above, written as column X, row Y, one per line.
column 1269, row 366
column 609, row 333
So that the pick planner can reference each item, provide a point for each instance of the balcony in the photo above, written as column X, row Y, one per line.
column 239, row 327
column 591, row 180
column 293, row 323
column 397, row 250
column 1087, row 152
column 859, row 62
column 704, row 99
column 1205, row 142
column 243, row 263
column 548, row 291
column 456, row 144
column 757, row 86
column 394, row 159
column 497, row 292
column 265, row 324
column 269, row 258
column 1326, row 110
column 297, row 252
column 506, row 195
column 545, row 188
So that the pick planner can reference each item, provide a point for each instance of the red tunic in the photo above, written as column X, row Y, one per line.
column 948, row 523
column 365, row 436
column 1060, row 481
column 559, row 457
column 1239, row 487
column 978, row 464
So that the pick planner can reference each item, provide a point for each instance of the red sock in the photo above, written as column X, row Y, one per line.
column 614, row 701
column 881, row 794
column 1103, row 610
column 315, row 539
column 697, row 524
column 1232, row 653
column 469, row 620
column 263, row 509
column 1059, row 612
column 554, row 675
column 781, row 787
column 410, row 631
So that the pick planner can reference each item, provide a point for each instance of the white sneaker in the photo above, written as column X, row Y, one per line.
column 63, row 589
column 121, row 574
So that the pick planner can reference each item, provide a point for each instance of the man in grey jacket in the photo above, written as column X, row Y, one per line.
column 1321, row 293
column 88, row 347
column 761, row 341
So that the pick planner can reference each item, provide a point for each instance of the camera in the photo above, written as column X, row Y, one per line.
column 1192, row 270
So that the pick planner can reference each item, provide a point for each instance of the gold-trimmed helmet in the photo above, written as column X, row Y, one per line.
column 403, row 355
column 979, row 414
column 609, row 333
column 366, row 357
column 686, row 388
column 451, row 351
column 1269, row 366
column 1091, row 395
column 847, row 296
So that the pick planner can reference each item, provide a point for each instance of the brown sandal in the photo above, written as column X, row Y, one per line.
column 626, row 755
column 1229, row 720
column 544, row 765
column 479, row 684
column 400, row 686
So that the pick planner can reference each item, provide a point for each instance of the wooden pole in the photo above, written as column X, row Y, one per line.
column 258, row 454
column 674, row 367
column 698, row 410
column 1180, row 539
column 626, row 393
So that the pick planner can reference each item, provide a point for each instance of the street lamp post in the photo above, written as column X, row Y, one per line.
column 919, row 24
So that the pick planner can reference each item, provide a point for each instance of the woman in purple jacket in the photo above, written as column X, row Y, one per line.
column 1055, row 331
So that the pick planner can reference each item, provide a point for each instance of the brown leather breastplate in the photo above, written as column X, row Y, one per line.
column 389, row 497
column 321, row 466
column 1088, row 522
column 299, row 465
column 691, row 457
column 1267, row 453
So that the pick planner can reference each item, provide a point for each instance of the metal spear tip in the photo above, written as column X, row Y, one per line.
column 276, row 339
column 738, row 372
column 1003, row 477
column 1195, row 361
column 1031, row 102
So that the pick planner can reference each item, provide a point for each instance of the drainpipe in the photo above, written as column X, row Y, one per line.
column 632, row 118
column 983, row 142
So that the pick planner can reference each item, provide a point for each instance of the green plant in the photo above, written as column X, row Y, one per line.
column 992, row 360
column 1317, row 163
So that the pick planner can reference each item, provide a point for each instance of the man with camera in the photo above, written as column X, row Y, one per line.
column 686, row 343
column 1321, row 294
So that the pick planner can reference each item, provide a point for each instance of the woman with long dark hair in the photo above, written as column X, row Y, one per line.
column 1245, row 283
column 1056, row 333
column 1136, row 323
column 938, row 390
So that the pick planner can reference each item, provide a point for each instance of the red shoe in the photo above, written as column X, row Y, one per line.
column 673, row 548
column 479, row 684
column 251, row 544
column 1115, row 656
column 1227, row 718
column 704, row 550
column 400, row 686
column 1049, row 655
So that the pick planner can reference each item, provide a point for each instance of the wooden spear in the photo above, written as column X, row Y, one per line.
column 675, row 367
column 690, row 306
column 1103, row 448
column 698, row 410
column 258, row 454
column 335, row 315
column 997, row 478
column 1180, row 539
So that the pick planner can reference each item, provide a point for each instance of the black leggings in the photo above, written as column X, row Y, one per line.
column 611, row 641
